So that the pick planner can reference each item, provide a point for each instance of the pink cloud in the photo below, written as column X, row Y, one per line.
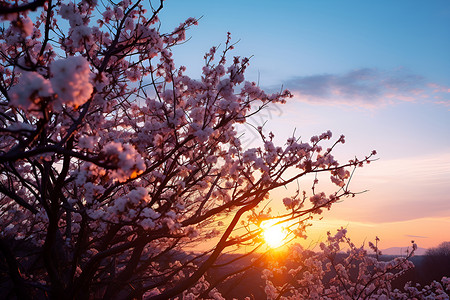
column 367, row 88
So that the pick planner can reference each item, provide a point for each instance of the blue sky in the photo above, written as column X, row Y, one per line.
column 376, row 71
column 295, row 38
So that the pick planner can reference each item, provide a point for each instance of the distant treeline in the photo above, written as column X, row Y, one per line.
column 249, row 283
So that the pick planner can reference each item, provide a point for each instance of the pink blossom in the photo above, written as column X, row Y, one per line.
column 71, row 80
column 29, row 91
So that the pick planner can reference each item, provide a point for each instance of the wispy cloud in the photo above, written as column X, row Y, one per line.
column 417, row 236
column 403, row 189
column 367, row 88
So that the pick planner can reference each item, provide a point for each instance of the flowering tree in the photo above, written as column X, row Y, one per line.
column 115, row 165
column 337, row 274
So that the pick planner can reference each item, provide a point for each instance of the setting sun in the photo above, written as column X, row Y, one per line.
column 274, row 235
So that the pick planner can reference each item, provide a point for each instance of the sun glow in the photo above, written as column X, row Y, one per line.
column 274, row 235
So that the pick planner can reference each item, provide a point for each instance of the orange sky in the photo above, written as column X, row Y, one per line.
column 375, row 71
column 406, row 199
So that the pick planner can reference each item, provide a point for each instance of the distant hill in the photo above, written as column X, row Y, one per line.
column 401, row 251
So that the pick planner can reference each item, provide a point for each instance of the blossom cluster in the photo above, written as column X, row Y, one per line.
column 69, row 85
column 343, row 271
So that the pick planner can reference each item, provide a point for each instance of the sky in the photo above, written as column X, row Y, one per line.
column 376, row 71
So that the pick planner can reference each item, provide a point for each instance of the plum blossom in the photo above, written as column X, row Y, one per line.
column 203, row 134
column 71, row 80
column 29, row 92
column 80, row 35
column 86, row 142
column 147, row 212
column 319, row 199
column 147, row 224
column 26, row 25
column 332, row 274
column 127, row 161
column 290, row 203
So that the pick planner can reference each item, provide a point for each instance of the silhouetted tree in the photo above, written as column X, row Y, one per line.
column 115, row 165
